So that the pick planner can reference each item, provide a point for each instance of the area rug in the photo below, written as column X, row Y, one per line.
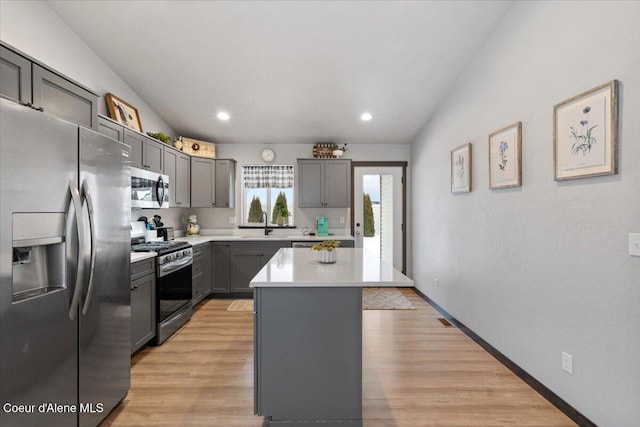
column 241, row 305
column 385, row 299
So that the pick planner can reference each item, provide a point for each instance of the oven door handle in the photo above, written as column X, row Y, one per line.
column 172, row 266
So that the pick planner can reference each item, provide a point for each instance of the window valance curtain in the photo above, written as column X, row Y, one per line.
column 268, row 176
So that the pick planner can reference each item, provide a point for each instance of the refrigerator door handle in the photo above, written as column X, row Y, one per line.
column 87, row 196
column 159, row 185
column 77, row 208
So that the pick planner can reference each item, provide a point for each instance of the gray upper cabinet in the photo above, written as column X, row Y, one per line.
column 177, row 166
column 15, row 76
column 110, row 128
column 136, row 141
column 213, row 183
column 61, row 98
column 153, row 154
column 324, row 183
column 203, row 186
column 146, row 152
column 225, row 180
column 23, row 79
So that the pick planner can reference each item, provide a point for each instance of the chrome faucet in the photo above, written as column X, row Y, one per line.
column 267, row 230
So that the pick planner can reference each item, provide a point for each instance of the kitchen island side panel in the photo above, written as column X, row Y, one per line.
column 309, row 355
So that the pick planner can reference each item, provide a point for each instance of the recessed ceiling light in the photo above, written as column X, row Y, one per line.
column 365, row 117
column 223, row 115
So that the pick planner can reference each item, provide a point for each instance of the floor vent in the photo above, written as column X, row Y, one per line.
column 444, row 322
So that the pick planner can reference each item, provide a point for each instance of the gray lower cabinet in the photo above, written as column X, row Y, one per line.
column 23, row 79
column 207, row 261
column 177, row 166
column 143, row 304
column 201, row 272
column 324, row 183
column 197, row 275
column 221, row 264
column 247, row 258
column 110, row 128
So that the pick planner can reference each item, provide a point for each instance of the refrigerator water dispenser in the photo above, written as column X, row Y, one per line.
column 38, row 264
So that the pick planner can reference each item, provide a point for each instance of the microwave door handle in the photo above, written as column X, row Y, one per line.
column 77, row 208
column 92, row 229
column 159, row 185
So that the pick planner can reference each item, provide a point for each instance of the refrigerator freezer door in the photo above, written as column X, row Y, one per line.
column 105, row 319
column 38, row 340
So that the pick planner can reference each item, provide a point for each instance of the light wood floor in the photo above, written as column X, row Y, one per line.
column 416, row 373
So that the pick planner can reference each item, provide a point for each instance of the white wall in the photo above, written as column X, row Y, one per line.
column 35, row 29
column 544, row 268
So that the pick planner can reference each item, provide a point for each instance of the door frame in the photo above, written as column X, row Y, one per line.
column 403, row 165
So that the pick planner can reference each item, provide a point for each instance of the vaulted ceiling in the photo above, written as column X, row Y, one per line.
column 288, row 72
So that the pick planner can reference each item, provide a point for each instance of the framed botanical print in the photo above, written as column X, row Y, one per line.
column 123, row 112
column 461, row 169
column 585, row 133
column 505, row 157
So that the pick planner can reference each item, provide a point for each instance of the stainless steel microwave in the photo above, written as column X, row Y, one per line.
column 149, row 189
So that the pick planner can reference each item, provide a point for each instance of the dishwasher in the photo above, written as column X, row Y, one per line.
column 304, row 244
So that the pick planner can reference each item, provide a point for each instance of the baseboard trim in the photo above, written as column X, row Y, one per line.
column 545, row 392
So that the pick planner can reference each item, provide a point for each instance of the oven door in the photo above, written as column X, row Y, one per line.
column 174, row 291
column 149, row 189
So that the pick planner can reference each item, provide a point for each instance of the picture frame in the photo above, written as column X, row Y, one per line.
column 123, row 112
column 585, row 134
column 505, row 157
column 461, row 169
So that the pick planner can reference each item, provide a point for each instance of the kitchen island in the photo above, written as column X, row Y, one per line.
column 308, row 335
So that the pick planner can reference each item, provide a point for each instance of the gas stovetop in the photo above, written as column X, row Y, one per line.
column 160, row 247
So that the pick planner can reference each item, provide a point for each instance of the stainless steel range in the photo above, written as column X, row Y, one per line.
column 173, row 285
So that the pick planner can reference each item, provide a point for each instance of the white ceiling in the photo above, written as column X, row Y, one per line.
column 287, row 72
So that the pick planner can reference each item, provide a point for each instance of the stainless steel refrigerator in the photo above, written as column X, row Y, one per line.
column 64, row 271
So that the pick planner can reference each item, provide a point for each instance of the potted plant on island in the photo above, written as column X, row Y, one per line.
column 326, row 251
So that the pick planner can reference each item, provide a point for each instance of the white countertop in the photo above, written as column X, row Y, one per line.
column 197, row 240
column 355, row 267
column 141, row 256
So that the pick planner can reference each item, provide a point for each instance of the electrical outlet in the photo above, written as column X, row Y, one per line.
column 341, row 220
column 437, row 283
column 634, row 244
column 567, row 363
column 232, row 220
